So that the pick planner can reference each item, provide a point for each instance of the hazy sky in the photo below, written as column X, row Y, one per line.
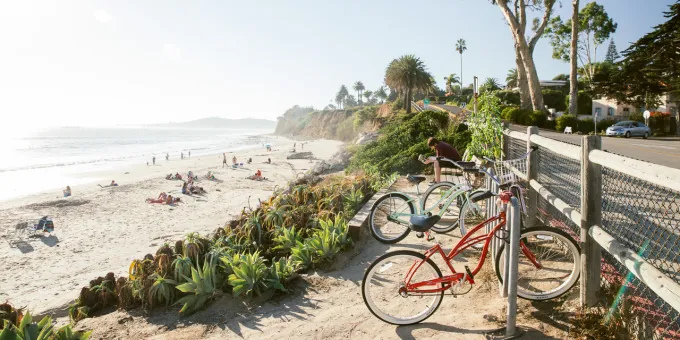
column 120, row 62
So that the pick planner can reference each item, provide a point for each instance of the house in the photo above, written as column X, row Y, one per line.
column 609, row 109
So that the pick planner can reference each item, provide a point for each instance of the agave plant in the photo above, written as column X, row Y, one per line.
column 201, row 286
column 77, row 311
column 281, row 270
column 323, row 245
column 286, row 239
column 249, row 275
column 301, row 256
column 67, row 333
column 274, row 216
column 339, row 227
column 43, row 330
column 352, row 200
column 162, row 290
column 27, row 329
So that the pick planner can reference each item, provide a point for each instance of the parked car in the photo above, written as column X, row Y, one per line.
column 628, row 128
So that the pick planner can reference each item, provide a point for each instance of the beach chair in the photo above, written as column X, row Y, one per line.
column 24, row 230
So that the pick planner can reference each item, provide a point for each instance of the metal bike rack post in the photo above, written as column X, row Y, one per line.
column 512, row 264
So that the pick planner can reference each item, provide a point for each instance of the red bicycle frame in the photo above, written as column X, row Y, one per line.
column 466, row 242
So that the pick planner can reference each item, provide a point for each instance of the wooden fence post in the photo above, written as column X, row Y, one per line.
column 591, row 215
column 506, row 141
column 532, row 173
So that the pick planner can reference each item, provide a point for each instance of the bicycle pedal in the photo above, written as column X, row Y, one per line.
column 430, row 237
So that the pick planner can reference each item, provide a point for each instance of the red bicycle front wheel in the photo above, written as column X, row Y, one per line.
column 382, row 288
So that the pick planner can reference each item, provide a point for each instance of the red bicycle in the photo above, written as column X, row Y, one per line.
column 404, row 287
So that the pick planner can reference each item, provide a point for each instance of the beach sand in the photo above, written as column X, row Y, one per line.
column 100, row 230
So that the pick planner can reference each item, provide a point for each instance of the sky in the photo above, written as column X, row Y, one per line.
column 103, row 63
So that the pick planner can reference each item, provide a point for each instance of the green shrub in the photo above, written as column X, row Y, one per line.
column 400, row 143
column 508, row 97
column 550, row 124
column 363, row 115
column 605, row 123
column 585, row 103
column 524, row 117
column 567, row 120
column 586, row 126
column 554, row 99
column 536, row 118
column 510, row 113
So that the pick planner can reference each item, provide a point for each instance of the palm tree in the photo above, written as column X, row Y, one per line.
column 381, row 93
column 350, row 101
column 450, row 80
column 406, row 74
column 491, row 84
column 368, row 94
column 341, row 95
column 460, row 47
column 511, row 79
column 359, row 87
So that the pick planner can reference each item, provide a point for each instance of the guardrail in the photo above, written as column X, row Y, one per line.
column 626, row 214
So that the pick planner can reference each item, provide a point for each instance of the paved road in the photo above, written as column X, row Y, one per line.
column 664, row 151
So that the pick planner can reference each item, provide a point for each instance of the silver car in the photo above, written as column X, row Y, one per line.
column 629, row 129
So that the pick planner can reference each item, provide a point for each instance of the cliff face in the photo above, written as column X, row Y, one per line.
column 326, row 124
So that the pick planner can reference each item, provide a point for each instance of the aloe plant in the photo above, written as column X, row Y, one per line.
column 162, row 290
column 181, row 268
column 339, row 227
column 201, row 286
column 287, row 239
column 43, row 330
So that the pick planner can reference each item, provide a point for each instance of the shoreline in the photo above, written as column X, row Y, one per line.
column 101, row 171
column 100, row 230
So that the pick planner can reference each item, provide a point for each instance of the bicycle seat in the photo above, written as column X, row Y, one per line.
column 423, row 223
column 416, row 179
column 478, row 196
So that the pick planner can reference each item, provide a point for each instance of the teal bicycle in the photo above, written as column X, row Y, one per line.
column 450, row 203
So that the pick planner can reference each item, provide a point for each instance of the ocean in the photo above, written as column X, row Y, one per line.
column 53, row 158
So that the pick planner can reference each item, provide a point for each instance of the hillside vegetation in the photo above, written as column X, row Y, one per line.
column 338, row 124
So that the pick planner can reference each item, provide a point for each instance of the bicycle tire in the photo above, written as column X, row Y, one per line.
column 442, row 227
column 464, row 212
column 560, row 290
column 370, row 304
column 372, row 219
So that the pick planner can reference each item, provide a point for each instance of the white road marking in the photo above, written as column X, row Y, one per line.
column 655, row 146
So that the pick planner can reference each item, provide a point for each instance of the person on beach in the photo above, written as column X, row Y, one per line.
column 185, row 190
column 269, row 161
column 153, row 160
column 167, row 156
column 67, row 192
column 257, row 176
column 189, row 153
column 442, row 149
column 113, row 184
column 181, row 155
column 224, row 160
column 234, row 161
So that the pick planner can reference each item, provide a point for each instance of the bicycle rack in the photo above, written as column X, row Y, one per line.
column 509, row 286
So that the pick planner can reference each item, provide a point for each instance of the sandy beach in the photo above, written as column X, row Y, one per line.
column 100, row 230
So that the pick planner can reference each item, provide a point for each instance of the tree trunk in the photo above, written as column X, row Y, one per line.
column 522, row 83
column 461, row 72
column 408, row 101
column 525, row 54
column 573, row 58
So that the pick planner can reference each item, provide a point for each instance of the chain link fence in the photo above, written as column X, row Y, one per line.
column 643, row 216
